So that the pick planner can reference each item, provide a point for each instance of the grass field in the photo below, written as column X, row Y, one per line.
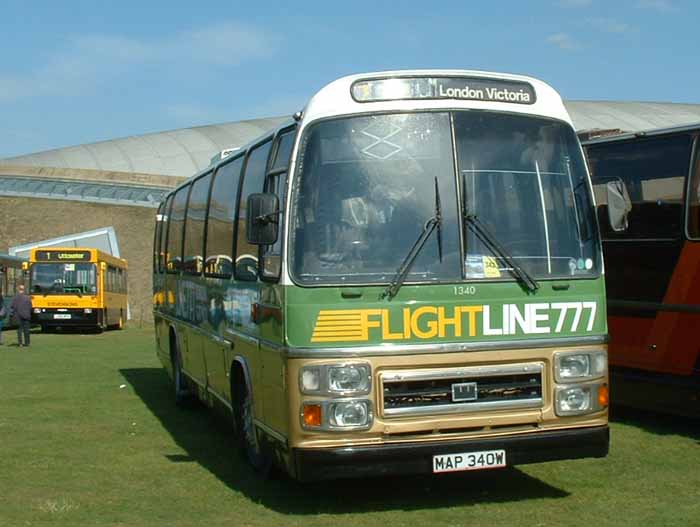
column 89, row 435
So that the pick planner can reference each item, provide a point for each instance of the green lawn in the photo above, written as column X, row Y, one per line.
column 89, row 436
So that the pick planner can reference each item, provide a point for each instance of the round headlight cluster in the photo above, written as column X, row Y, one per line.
column 580, row 395
column 340, row 384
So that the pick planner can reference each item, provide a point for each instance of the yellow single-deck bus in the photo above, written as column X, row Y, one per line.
column 404, row 278
column 77, row 287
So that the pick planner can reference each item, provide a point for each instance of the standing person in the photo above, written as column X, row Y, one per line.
column 3, row 315
column 21, row 307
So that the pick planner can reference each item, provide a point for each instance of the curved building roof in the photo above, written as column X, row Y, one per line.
column 172, row 153
column 183, row 152
column 630, row 116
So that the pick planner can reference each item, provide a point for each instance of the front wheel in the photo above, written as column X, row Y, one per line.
column 246, row 434
column 180, row 384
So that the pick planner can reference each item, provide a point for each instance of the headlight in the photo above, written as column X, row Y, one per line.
column 310, row 380
column 573, row 400
column 37, row 310
column 342, row 415
column 336, row 379
column 577, row 399
column 87, row 310
column 350, row 378
column 349, row 414
column 579, row 366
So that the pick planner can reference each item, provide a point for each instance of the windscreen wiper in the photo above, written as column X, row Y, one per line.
column 492, row 242
column 434, row 222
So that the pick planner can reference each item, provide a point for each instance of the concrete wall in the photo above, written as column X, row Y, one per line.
column 24, row 220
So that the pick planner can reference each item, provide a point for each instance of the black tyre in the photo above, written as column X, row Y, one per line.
column 181, row 388
column 245, row 431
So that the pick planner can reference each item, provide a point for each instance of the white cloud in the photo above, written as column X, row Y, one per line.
column 608, row 25
column 85, row 61
column 563, row 41
column 574, row 4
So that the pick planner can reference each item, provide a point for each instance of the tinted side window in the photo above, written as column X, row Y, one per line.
column 176, row 229
column 194, row 227
column 653, row 172
column 694, row 197
column 163, row 238
column 276, row 183
column 253, row 181
column 222, row 210
column 156, row 236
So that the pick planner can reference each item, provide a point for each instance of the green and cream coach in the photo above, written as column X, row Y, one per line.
column 406, row 277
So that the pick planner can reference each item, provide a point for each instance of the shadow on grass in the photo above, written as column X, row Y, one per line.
column 656, row 422
column 208, row 441
column 71, row 330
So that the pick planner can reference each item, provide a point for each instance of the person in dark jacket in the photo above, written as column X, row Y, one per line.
column 21, row 308
column 3, row 315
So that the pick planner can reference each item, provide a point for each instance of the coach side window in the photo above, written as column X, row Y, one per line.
column 652, row 174
column 276, row 183
column 194, row 225
column 176, row 229
column 253, row 181
column 694, row 196
column 156, row 236
column 222, row 211
column 163, row 237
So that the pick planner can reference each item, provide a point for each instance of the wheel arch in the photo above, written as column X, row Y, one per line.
column 173, row 343
column 240, row 378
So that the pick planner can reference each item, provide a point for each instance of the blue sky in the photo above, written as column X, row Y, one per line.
column 76, row 72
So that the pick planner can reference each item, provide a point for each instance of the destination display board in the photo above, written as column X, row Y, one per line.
column 62, row 256
column 464, row 88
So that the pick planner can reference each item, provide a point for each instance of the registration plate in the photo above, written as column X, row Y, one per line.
column 484, row 459
column 61, row 315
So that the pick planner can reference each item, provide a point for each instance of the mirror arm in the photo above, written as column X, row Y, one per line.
column 268, row 218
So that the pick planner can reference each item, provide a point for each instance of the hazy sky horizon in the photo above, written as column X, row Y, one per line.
column 77, row 72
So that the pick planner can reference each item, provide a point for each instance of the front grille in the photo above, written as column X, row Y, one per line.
column 426, row 392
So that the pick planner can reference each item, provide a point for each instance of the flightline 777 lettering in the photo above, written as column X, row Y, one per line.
column 479, row 320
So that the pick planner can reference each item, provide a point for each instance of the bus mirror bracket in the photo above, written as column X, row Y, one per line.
column 619, row 205
column 262, row 219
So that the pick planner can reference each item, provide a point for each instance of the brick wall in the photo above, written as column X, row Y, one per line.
column 25, row 220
